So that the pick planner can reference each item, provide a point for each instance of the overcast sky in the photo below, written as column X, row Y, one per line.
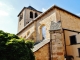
column 9, row 10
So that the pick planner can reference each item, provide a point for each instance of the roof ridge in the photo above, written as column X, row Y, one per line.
column 29, row 7
column 32, row 8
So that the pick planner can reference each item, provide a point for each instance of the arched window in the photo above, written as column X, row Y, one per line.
column 31, row 14
column 36, row 15
column 43, row 32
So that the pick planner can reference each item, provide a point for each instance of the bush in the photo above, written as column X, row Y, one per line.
column 14, row 48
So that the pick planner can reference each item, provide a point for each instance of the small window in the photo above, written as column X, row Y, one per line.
column 31, row 14
column 21, row 17
column 36, row 15
column 79, row 51
column 73, row 39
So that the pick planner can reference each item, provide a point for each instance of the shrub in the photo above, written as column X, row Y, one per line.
column 14, row 48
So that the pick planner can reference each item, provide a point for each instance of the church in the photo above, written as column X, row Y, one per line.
column 55, row 32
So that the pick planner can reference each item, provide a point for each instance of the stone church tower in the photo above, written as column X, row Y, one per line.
column 26, row 16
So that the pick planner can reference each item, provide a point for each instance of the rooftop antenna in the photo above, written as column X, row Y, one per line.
column 29, row 4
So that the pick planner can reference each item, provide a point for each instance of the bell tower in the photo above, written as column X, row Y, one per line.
column 26, row 15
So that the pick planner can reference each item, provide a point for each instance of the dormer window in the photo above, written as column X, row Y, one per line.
column 31, row 14
column 21, row 17
column 36, row 15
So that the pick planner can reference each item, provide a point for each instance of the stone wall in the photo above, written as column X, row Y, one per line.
column 42, row 53
column 68, row 20
column 20, row 23
column 57, row 48
column 72, row 49
column 26, row 18
column 36, row 25
column 28, row 31
column 45, row 20
column 27, row 15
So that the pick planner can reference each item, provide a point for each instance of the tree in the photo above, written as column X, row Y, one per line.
column 14, row 48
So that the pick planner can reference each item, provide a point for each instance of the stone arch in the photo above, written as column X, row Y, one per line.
column 42, row 32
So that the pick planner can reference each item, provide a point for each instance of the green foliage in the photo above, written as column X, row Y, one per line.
column 14, row 48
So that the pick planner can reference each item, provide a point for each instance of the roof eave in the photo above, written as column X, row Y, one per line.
column 21, row 11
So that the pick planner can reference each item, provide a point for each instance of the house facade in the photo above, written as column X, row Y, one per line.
column 56, row 32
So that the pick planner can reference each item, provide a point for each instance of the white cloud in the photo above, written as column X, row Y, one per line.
column 1, row 4
column 3, row 13
column 8, row 22
column 5, row 9
column 43, row 9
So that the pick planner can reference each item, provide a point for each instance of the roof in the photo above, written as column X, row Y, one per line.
column 54, row 6
column 29, row 7
column 41, row 44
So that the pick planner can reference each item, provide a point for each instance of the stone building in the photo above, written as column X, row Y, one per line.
column 56, row 32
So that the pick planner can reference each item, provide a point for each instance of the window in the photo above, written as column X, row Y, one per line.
column 36, row 15
column 31, row 14
column 43, row 32
column 79, row 51
column 73, row 39
column 21, row 17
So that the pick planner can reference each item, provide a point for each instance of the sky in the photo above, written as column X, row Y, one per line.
column 9, row 9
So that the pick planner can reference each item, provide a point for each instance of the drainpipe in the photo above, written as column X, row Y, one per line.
column 50, row 46
column 65, row 43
